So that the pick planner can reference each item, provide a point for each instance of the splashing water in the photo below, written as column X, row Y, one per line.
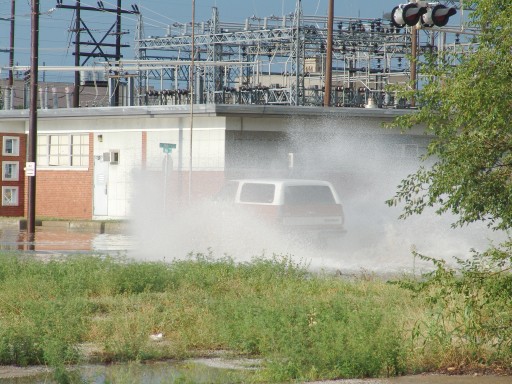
column 376, row 240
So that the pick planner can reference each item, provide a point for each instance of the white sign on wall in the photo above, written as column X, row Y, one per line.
column 30, row 169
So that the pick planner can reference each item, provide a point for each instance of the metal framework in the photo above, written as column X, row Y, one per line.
column 281, row 60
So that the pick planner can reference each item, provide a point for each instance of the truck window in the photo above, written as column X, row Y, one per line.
column 257, row 193
column 308, row 194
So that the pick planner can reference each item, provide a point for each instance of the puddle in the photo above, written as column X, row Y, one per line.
column 209, row 371
column 150, row 373
column 56, row 240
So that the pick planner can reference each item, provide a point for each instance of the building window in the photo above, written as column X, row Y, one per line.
column 80, row 150
column 63, row 150
column 9, row 196
column 10, row 170
column 11, row 146
column 42, row 150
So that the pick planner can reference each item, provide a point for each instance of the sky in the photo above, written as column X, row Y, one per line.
column 56, row 41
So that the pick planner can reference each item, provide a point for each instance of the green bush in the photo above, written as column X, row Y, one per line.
column 468, row 318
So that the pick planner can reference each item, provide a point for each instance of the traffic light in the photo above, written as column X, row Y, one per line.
column 437, row 15
column 407, row 14
column 428, row 14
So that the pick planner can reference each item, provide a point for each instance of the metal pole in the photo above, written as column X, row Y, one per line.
column 298, row 12
column 118, row 51
column 414, row 59
column 165, row 180
column 414, row 56
column 76, row 91
column 32, row 133
column 328, row 57
column 11, row 47
column 191, row 81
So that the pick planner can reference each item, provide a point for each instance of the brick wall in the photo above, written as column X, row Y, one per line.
column 66, row 194
column 18, row 210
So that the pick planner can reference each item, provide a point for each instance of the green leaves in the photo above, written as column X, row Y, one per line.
column 469, row 306
column 468, row 109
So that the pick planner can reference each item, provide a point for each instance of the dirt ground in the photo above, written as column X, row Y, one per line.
column 11, row 372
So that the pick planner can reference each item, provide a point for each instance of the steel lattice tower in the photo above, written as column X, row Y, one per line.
column 281, row 60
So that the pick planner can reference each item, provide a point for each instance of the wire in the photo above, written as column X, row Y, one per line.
column 157, row 13
column 317, row 7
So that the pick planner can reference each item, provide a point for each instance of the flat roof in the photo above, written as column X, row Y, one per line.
column 225, row 110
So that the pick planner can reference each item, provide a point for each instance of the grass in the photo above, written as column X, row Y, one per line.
column 303, row 326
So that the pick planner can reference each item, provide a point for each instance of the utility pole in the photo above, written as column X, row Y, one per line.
column 98, row 44
column 298, row 60
column 32, row 129
column 76, row 91
column 118, row 49
column 414, row 63
column 414, row 60
column 11, row 47
column 328, row 56
column 191, row 83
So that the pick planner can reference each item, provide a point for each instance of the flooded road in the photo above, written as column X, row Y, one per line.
column 381, row 247
column 60, row 239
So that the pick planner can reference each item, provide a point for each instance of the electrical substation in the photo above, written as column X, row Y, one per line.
column 273, row 60
column 281, row 60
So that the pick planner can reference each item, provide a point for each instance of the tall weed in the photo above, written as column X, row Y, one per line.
column 302, row 325
column 327, row 334
column 468, row 321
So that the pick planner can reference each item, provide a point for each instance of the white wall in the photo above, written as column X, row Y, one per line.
column 208, row 139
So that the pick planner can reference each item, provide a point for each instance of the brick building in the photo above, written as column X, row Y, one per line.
column 12, row 158
column 93, row 162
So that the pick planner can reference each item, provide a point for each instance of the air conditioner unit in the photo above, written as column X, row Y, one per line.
column 111, row 157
